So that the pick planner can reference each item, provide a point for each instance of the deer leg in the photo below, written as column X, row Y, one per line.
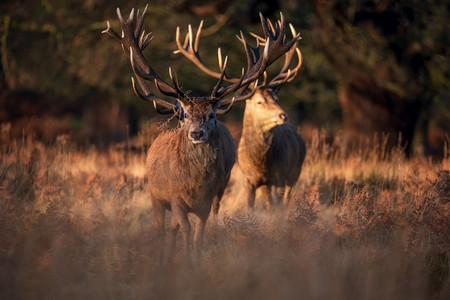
column 181, row 214
column 249, row 193
column 174, row 226
column 159, row 213
column 216, row 202
column 199, row 234
column 287, row 195
column 278, row 195
column 267, row 196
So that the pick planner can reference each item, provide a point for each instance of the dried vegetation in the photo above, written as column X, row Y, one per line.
column 77, row 224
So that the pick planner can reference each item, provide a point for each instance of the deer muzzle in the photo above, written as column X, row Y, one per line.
column 198, row 136
column 283, row 117
column 280, row 118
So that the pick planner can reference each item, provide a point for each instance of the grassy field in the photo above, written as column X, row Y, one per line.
column 369, row 224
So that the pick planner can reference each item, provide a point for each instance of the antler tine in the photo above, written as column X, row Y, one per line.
column 266, row 29
column 252, row 53
column 119, row 15
column 294, row 71
column 276, row 30
column 174, row 92
column 197, row 36
column 190, row 50
column 219, row 58
column 131, row 16
column 145, row 39
column 222, row 111
column 273, row 29
column 293, row 32
column 287, row 62
column 299, row 62
column 281, row 25
column 258, row 38
column 111, row 32
column 140, row 21
column 191, row 38
column 242, row 97
column 219, row 82
column 150, row 97
column 175, row 83
column 278, row 39
column 223, row 92
column 265, row 79
column 180, row 95
column 287, row 74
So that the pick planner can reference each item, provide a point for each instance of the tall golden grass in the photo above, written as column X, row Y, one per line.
column 367, row 224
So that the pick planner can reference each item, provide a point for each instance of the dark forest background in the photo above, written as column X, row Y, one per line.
column 370, row 67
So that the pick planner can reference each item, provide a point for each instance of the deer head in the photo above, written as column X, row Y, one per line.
column 199, row 119
column 263, row 109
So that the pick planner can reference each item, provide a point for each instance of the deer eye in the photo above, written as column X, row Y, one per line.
column 185, row 115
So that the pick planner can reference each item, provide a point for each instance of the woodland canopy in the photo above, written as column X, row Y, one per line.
column 370, row 67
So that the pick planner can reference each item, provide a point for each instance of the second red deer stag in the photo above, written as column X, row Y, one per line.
column 191, row 165
column 271, row 152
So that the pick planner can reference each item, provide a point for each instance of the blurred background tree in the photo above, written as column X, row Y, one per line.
column 369, row 66
column 387, row 58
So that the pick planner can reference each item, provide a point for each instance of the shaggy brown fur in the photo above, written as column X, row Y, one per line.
column 271, row 152
column 184, row 177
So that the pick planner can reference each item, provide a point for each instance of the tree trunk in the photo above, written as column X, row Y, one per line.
column 370, row 110
column 4, row 29
column 381, row 73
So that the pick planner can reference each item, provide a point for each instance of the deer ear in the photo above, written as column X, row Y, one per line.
column 180, row 110
column 276, row 90
column 217, row 104
column 180, row 114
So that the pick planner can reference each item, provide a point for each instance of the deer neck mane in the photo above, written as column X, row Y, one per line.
column 256, row 140
column 199, row 155
column 256, row 130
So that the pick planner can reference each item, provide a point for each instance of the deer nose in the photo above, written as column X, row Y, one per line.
column 196, row 135
column 283, row 116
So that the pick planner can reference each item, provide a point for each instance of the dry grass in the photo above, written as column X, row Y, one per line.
column 77, row 224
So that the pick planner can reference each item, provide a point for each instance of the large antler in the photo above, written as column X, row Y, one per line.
column 134, row 40
column 190, row 49
column 274, row 42
column 149, row 96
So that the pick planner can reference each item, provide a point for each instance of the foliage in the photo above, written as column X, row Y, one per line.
column 78, row 224
column 57, row 49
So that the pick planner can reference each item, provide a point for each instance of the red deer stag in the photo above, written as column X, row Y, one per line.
column 271, row 152
column 191, row 165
